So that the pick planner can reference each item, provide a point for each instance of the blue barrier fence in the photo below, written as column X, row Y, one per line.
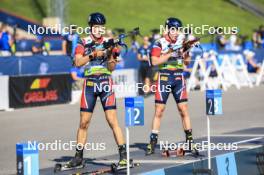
column 39, row 64
column 56, row 44
column 34, row 65
column 26, row 45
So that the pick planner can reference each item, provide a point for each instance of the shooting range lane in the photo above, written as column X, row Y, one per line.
column 156, row 161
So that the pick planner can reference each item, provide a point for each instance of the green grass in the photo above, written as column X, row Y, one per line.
column 148, row 14
column 24, row 8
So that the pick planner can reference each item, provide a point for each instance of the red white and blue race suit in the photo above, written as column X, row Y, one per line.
column 170, row 78
column 98, row 81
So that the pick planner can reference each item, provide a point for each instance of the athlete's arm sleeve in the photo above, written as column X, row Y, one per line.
column 79, row 49
column 156, row 49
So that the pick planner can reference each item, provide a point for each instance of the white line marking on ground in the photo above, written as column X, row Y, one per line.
column 181, row 161
column 240, row 142
column 239, row 135
column 248, row 146
column 248, row 140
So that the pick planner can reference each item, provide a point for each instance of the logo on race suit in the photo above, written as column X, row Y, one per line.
column 39, row 92
column 163, row 78
column 90, row 83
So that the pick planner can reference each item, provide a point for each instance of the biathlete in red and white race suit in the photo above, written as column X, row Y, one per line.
column 170, row 57
column 98, row 64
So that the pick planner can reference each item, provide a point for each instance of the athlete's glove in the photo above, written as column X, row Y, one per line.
column 115, row 52
column 88, row 51
column 189, row 44
column 176, row 47
column 91, row 54
column 109, row 43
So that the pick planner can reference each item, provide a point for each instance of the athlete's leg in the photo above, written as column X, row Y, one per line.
column 88, row 101
column 161, row 97
column 85, row 118
column 159, row 110
column 109, row 104
column 183, row 111
column 180, row 96
column 111, row 117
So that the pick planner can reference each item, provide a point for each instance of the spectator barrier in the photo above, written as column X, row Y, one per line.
column 212, row 70
column 34, row 65
column 26, row 45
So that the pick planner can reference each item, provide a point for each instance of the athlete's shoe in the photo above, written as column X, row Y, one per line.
column 192, row 148
column 122, row 163
column 75, row 162
column 195, row 149
column 150, row 149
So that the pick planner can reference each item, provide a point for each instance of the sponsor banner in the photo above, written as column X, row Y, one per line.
column 39, row 90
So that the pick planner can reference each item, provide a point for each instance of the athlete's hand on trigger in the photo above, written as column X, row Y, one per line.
column 145, row 57
column 196, row 44
column 186, row 54
column 99, row 53
column 191, row 45
column 176, row 47
column 176, row 53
